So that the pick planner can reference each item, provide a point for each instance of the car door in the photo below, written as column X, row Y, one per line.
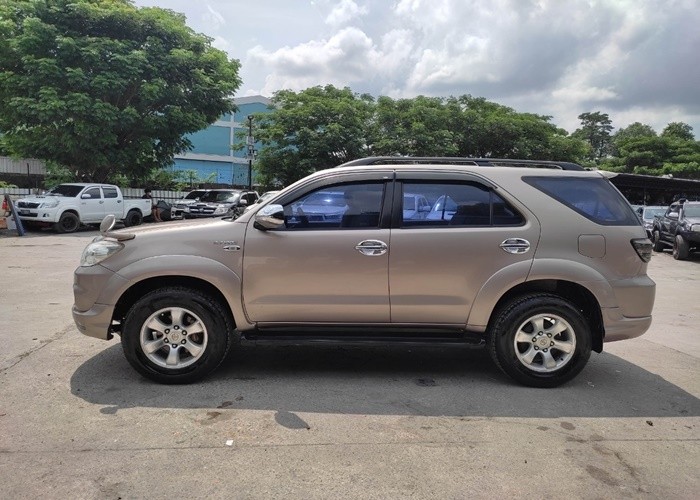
column 92, row 208
column 438, row 264
column 112, row 202
column 319, row 267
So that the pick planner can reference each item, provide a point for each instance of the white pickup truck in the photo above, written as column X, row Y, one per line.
column 67, row 206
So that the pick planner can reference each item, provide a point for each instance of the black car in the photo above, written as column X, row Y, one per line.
column 219, row 203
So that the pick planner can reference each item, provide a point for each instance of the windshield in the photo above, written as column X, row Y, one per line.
column 219, row 197
column 650, row 213
column 68, row 190
column 691, row 210
column 193, row 195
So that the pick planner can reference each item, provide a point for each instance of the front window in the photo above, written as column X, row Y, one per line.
column 339, row 206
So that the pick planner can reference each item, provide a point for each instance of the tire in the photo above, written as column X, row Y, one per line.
column 656, row 238
column 165, row 352
column 133, row 218
column 681, row 249
column 535, row 330
column 67, row 223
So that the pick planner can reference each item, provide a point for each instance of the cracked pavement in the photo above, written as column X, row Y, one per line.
column 320, row 422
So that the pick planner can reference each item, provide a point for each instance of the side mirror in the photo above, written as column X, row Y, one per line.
column 108, row 223
column 85, row 196
column 673, row 215
column 243, row 202
column 270, row 217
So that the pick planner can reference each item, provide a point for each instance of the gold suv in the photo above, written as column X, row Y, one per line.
column 542, row 262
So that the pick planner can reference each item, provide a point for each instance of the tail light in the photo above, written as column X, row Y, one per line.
column 643, row 248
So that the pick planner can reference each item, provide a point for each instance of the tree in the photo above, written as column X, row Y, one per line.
column 679, row 130
column 103, row 88
column 317, row 128
column 595, row 130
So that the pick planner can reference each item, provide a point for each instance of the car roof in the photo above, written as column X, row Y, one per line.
column 449, row 160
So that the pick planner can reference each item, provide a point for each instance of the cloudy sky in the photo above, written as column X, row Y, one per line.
column 637, row 60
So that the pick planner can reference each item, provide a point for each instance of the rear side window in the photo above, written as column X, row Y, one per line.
column 109, row 192
column 430, row 204
column 594, row 198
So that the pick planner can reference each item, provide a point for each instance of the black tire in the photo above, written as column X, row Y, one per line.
column 67, row 223
column 133, row 218
column 656, row 238
column 681, row 248
column 517, row 317
column 208, row 345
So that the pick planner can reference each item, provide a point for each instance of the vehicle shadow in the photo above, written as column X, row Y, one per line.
column 393, row 380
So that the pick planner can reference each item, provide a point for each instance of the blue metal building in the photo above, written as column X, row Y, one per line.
column 212, row 151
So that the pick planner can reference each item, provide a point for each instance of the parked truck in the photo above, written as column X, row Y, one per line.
column 679, row 228
column 67, row 206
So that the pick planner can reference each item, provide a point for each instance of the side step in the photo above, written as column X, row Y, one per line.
column 325, row 336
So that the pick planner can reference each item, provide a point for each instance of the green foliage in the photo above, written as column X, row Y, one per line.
column 595, row 130
column 4, row 184
column 323, row 127
column 105, row 87
column 58, row 174
column 678, row 130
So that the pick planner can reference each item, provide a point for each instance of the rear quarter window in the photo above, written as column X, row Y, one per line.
column 594, row 198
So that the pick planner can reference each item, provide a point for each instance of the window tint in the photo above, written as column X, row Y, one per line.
column 109, row 192
column 339, row 206
column 94, row 192
column 594, row 198
column 458, row 204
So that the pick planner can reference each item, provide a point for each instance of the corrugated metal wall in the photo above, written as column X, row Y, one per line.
column 11, row 166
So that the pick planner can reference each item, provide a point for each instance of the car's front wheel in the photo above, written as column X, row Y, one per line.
column 540, row 340
column 656, row 238
column 681, row 248
column 176, row 335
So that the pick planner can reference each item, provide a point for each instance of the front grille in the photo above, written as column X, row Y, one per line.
column 26, row 204
column 202, row 209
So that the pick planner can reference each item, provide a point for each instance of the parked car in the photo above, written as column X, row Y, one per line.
column 539, row 265
column 415, row 206
column 219, row 203
column 67, row 206
column 263, row 198
column 179, row 206
column 679, row 228
column 647, row 214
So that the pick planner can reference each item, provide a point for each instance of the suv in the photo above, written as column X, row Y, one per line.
column 219, row 203
column 540, row 265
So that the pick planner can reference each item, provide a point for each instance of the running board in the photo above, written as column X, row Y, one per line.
column 382, row 337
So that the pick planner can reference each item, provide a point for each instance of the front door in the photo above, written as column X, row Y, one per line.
column 328, row 264
column 92, row 207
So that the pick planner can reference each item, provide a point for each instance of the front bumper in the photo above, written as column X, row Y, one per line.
column 95, row 321
column 45, row 215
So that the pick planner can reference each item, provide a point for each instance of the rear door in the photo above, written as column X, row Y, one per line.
column 439, row 263
column 112, row 202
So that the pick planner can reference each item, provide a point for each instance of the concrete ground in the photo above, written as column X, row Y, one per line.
column 77, row 422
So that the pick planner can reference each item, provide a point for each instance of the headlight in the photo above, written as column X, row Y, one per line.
column 186, row 208
column 97, row 251
column 221, row 209
column 50, row 203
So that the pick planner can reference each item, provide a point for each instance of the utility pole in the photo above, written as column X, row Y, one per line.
column 250, row 143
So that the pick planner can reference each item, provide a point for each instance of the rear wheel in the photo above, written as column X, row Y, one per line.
column 133, row 218
column 176, row 335
column 67, row 223
column 540, row 340
column 656, row 237
column 681, row 249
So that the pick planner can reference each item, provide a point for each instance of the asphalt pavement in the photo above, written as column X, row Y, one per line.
column 337, row 422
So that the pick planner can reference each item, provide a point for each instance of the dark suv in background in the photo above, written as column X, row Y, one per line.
column 219, row 203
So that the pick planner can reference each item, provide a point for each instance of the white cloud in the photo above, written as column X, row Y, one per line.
column 344, row 12
column 213, row 18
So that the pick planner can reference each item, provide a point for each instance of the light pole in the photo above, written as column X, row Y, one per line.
column 250, row 143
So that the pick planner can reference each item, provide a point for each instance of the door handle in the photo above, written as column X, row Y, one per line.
column 372, row 248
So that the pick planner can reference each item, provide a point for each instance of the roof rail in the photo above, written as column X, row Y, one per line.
column 446, row 160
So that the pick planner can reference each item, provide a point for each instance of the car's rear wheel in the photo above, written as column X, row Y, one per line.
column 681, row 248
column 540, row 340
column 176, row 335
column 656, row 238
column 133, row 218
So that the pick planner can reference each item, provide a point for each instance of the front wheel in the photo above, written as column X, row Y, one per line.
column 540, row 340
column 176, row 335
column 67, row 223
column 656, row 238
column 681, row 248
